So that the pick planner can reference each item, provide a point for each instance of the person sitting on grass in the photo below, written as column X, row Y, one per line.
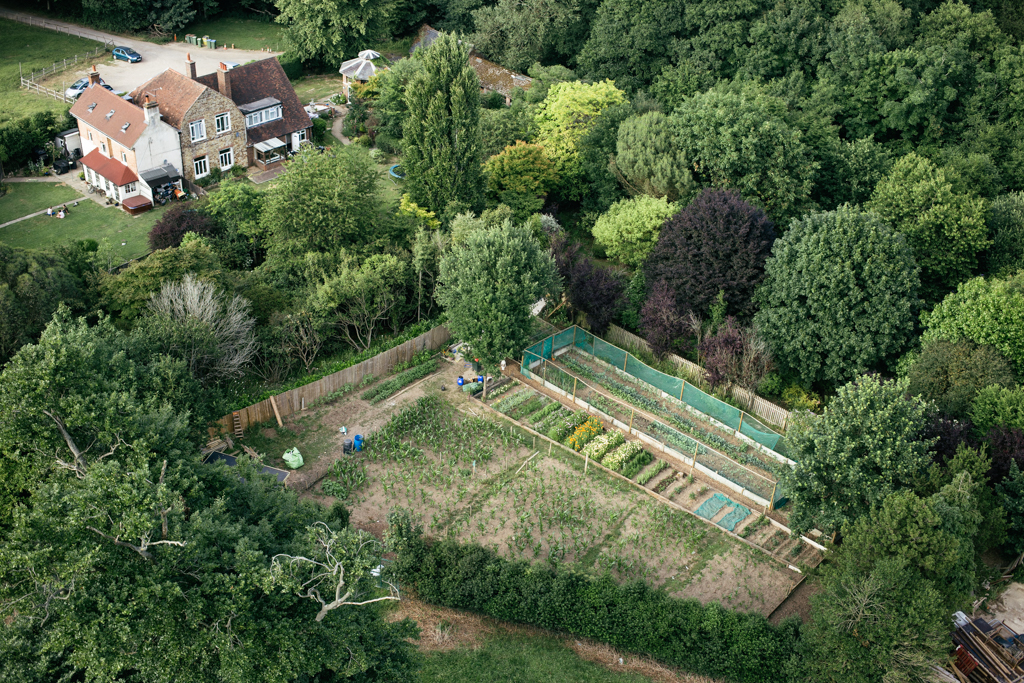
column 60, row 214
column 49, row 211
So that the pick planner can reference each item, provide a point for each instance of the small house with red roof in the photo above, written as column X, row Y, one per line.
column 123, row 144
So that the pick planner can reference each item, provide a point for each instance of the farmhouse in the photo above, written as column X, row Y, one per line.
column 125, row 146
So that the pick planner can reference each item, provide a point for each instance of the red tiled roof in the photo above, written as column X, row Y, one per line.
column 111, row 126
column 174, row 92
column 256, row 81
column 111, row 169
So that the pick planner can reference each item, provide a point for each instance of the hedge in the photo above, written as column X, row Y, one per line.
column 709, row 640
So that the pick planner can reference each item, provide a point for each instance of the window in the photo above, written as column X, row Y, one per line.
column 90, row 135
column 223, row 122
column 262, row 116
column 124, row 157
column 302, row 135
column 197, row 129
column 129, row 188
column 227, row 159
column 103, row 146
column 106, row 184
column 201, row 167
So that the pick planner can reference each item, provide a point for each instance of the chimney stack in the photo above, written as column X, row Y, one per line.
column 151, row 111
column 224, row 80
column 94, row 76
column 190, row 66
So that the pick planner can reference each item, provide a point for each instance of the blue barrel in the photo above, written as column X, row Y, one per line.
column 480, row 379
column 358, row 442
column 461, row 380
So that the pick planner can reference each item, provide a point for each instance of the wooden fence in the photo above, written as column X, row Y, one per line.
column 766, row 410
column 299, row 398
column 48, row 92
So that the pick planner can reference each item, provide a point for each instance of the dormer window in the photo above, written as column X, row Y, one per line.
column 125, row 127
column 261, row 111
column 109, row 114
column 92, row 106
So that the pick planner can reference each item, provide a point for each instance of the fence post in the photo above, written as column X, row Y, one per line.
column 625, row 361
column 772, row 506
column 574, row 389
column 682, row 390
column 632, row 412
column 573, row 339
column 740, row 428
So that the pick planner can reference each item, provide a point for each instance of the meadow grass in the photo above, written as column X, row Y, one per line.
column 22, row 199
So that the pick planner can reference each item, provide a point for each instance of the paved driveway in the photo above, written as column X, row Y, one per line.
column 122, row 76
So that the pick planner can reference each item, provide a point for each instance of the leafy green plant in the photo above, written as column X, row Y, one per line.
column 509, row 402
column 651, row 473
column 391, row 386
column 349, row 475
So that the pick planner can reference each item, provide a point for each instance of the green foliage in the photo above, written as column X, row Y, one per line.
column 346, row 476
column 339, row 205
column 563, row 119
column 952, row 374
column 648, row 157
column 1011, row 498
column 518, row 34
column 866, row 445
column 520, row 177
column 839, row 296
column 442, row 132
column 741, row 136
column 705, row 640
column 985, row 311
column 386, row 389
column 488, row 287
column 505, row 126
column 1005, row 223
column 945, row 228
column 596, row 147
column 998, row 406
column 630, row 228
column 330, row 32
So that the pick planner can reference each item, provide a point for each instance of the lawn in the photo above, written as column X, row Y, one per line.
column 25, row 198
column 33, row 48
column 316, row 87
column 244, row 34
column 88, row 220
column 520, row 658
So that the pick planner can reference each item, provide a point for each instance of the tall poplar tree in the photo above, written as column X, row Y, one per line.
column 442, row 133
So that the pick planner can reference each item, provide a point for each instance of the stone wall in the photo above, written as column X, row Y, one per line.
column 209, row 104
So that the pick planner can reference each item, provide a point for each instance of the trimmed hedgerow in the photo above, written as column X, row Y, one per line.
column 708, row 640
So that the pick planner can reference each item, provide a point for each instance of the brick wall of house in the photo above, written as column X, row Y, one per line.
column 209, row 104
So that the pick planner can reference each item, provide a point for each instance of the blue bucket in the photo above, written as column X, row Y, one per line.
column 358, row 442
column 461, row 381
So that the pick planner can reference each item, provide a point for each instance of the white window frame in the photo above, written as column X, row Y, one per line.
column 124, row 157
column 90, row 135
column 226, row 119
column 205, row 164
column 230, row 153
column 103, row 147
column 263, row 116
column 197, row 130
column 129, row 188
column 302, row 135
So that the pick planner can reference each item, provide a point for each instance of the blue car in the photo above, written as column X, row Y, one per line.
column 127, row 54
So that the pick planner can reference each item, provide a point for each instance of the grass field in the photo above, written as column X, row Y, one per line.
column 33, row 48
column 316, row 87
column 88, row 220
column 25, row 198
column 244, row 34
column 519, row 658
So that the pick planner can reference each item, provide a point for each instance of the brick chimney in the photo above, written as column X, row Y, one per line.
column 224, row 80
column 190, row 66
column 151, row 111
column 94, row 76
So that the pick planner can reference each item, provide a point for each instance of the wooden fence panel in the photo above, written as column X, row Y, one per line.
column 290, row 402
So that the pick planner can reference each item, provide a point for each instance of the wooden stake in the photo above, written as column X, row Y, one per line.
column 626, row 360
column 574, row 389
column 586, row 464
column 740, row 428
column 277, row 413
column 485, row 386
column 773, row 495
column 632, row 412
column 682, row 390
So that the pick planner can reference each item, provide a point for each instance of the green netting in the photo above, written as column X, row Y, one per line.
column 737, row 515
column 758, row 432
column 712, row 506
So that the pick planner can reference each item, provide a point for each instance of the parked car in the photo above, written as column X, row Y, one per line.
column 127, row 54
column 79, row 86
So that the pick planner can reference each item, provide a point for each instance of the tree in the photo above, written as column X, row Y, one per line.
column 590, row 289
column 887, row 592
column 1011, row 495
column 1005, row 222
column 839, row 296
column 390, row 108
column 648, row 159
column 659, row 320
column 237, row 206
column 193, row 320
column 330, row 32
column 718, row 243
column 597, row 149
column 176, row 221
column 325, row 202
column 520, row 178
column 489, row 286
column 952, row 374
column 564, row 118
column 985, row 311
column 442, row 132
column 944, row 228
column 740, row 136
column 998, row 406
column 520, row 34
column 735, row 355
column 866, row 445
column 1007, row 447
column 505, row 126
column 630, row 228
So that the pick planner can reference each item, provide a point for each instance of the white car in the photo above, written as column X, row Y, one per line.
column 78, row 87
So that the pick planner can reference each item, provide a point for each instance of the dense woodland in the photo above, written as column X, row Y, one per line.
column 819, row 201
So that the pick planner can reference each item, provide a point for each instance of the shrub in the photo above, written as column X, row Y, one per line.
column 291, row 64
column 378, row 155
column 364, row 141
column 952, row 374
column 319, row 131
column 176, row 222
